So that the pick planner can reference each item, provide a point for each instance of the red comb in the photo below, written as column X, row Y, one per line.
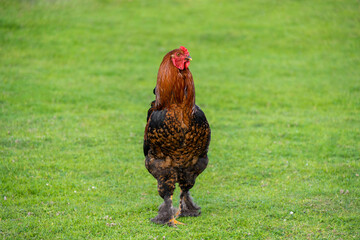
column 186, row 52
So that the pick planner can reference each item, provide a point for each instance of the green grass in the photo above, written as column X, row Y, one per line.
column 279, row 82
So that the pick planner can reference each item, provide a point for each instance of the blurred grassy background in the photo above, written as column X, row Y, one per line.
column 279, row 82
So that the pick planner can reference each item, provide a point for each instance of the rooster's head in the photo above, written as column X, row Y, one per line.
column 181, row 58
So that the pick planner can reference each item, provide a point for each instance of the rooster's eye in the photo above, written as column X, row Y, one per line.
column 178, row 54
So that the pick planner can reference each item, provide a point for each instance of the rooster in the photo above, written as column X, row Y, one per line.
column 177, row 137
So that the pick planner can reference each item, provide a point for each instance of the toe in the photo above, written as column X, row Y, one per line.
column 173, row 222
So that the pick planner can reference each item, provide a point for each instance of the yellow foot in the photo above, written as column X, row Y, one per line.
column 173, row 222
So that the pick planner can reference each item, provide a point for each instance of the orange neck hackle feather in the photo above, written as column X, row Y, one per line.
column 174, row 87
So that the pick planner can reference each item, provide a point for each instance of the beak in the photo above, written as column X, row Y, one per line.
column 188, row 58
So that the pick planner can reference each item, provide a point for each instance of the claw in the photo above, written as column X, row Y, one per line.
column 173, row 222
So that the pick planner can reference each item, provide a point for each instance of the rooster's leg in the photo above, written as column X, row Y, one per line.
column 187, row 206
column 166, row 187
column 186, row 182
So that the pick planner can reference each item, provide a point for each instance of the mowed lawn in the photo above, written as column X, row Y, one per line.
column 279, row 82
